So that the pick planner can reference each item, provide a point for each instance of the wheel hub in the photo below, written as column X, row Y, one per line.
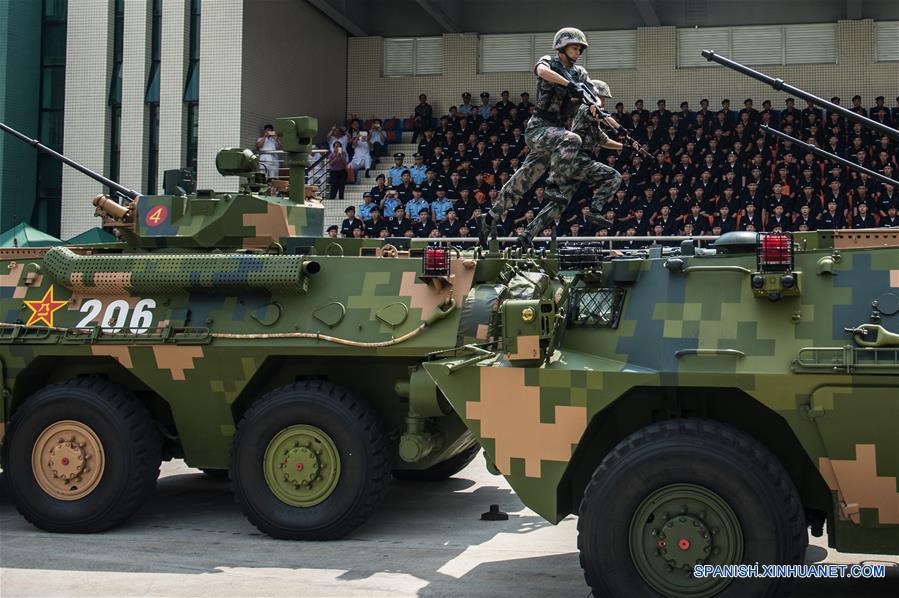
column 679, row 526
column 67, row 460
column 684, row 541
column 301, row 465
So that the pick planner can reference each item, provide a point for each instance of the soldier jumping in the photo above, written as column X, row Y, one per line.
column 550, row 145
column 560, row 190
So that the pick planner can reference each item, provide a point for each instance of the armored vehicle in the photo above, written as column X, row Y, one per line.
column 697, row 406
column 227, row 331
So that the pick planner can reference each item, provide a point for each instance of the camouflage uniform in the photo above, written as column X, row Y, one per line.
column 550, row 145
column 582, row 169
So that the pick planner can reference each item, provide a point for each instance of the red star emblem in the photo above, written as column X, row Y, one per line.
column 42, row 311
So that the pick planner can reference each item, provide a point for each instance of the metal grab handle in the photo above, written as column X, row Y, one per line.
column 710, row 352
column 739, row 269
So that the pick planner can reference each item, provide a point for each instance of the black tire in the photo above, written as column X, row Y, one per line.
column 219, row 475
column 742, row 472
column 131, row 447
column 356, row 431
column 440, row 471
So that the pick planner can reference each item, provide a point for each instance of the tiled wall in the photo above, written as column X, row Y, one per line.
column 135, row 70
column 656, row 76
column 88, row 68
column 221, row 51
column 294, row 70
column 173, row 70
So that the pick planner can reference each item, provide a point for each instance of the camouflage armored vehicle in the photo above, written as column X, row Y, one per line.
column 227, row 331
column 698, row 406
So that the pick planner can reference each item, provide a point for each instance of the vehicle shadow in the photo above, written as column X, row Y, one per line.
column 429, row 534
column 191, row 525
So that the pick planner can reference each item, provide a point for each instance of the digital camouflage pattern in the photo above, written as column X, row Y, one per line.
column 691, row 334
column 560, row 189
column 550, row 146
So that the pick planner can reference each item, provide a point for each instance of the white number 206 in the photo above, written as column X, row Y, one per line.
column 116, row 315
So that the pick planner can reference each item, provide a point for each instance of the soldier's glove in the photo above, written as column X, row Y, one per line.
column 575, row 90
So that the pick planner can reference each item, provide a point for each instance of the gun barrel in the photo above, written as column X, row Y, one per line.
column 832, row 157
column 780, row 85
column 82, row 169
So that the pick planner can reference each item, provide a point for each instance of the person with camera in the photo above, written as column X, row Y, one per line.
column 362, row 154
column 267, row 146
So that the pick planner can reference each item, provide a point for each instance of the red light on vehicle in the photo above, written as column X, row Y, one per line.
column 436, row 261
column 777, row 252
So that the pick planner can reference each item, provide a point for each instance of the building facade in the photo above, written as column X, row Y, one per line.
column 132, row 88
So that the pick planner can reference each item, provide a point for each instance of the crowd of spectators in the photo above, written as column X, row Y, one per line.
column 711, row 171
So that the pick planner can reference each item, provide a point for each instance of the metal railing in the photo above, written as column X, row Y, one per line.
column 316, row 173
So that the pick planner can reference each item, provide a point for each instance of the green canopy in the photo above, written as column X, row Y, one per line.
column 24, row 235
column 93, row 236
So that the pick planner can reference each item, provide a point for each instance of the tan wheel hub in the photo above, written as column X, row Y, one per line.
column 68, row 460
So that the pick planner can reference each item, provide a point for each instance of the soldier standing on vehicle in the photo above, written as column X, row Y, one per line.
column 550, row 145
column 560, row 190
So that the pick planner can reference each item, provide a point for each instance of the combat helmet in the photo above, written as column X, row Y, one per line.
column 569, row 35
column 602, row 88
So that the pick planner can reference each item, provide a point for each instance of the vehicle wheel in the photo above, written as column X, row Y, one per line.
column 220, row 475
column 685, row 492
column 310, row 461
column 81, row 456
column 440, row 471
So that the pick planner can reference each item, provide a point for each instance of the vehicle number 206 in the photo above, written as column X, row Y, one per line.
column 118, row 314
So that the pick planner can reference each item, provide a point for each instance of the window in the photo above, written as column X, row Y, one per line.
column 151, row 99
column 48, row 184
column 520, row 51
column 409, row 56
column 612, row 49
column 759, row 45
column 115, row 94
column 595, row 307
column 887, row 41
column 192, row 88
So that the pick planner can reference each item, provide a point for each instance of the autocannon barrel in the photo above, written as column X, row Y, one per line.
column 832, row 157
column 780, row 85
column 80, row 168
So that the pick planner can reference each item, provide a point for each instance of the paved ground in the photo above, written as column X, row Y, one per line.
column 426, row 540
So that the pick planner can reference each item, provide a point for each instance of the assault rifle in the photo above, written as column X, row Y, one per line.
column 588, row 94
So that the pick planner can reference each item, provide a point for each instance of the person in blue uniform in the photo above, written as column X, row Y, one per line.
column 418, row 170
column 395, row 174
column 417, row 203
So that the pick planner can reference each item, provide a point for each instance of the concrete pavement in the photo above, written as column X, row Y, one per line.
column 426, row 540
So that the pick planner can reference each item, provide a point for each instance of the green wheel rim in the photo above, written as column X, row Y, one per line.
column 679, row 526
column 302, row 465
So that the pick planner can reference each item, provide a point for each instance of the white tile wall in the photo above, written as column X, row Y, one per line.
column 655, row 77
column 221, row 44
column 88, row 69
column 173, row 71
column 135, row 71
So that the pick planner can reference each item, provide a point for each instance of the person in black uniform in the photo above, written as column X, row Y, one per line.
column 422, row 227
column 399, row 224
column 449, row 226
column 350, row 222
column 332, row 231
column 374, row 226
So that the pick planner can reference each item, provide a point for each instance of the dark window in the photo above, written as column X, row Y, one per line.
column 48, row 186
column 192, row 87
column 152, row 99
column 115, row 93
